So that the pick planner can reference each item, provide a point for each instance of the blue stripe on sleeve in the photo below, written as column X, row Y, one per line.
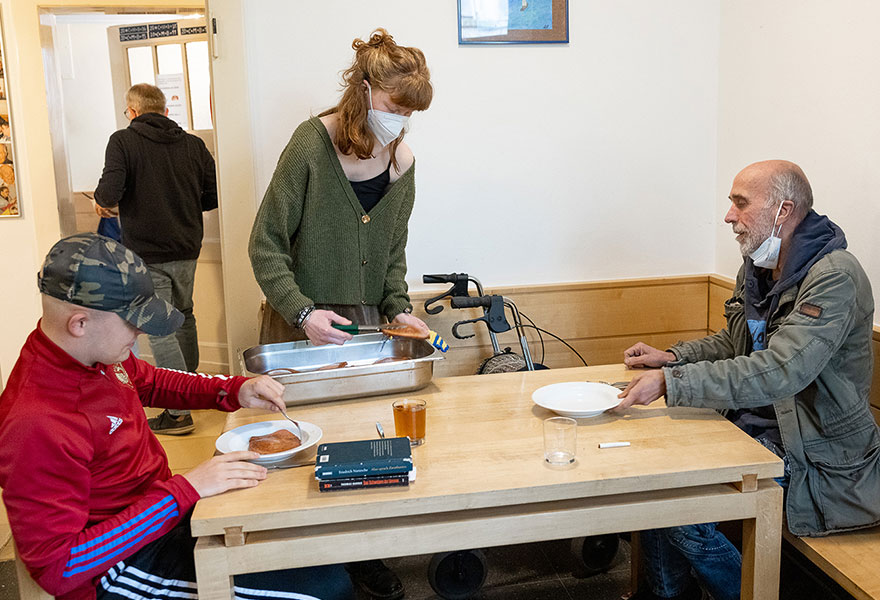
column 119, row 551
column 143, row 514
column 127, row 536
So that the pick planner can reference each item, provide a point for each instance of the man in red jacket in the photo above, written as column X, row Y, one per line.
column 94, row 508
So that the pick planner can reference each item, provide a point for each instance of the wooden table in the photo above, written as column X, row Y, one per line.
column 482, row 482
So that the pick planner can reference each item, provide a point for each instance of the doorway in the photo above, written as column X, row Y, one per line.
column 91, row 57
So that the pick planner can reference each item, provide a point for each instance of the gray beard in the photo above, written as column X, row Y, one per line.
column 758, row 234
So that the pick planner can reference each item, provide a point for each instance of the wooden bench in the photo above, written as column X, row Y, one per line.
column 850, row 559
column 27, row 587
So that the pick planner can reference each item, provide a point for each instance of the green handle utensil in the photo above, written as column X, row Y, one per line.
column 354, row 328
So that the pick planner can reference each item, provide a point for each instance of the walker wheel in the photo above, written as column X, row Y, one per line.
column 595, row 554
column 457, row 575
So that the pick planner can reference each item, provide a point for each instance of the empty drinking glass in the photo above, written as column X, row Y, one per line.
column 560, row 440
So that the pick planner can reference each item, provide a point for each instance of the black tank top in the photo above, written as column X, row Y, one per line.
column 370, row 191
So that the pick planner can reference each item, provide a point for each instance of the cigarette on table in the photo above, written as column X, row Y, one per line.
column 613, row 444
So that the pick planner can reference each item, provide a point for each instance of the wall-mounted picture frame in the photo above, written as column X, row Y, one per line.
column 9, row 206
column 512, row 21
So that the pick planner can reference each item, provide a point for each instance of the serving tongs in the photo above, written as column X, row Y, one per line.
column 389, row 329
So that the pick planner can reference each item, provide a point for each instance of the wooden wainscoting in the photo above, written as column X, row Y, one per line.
column 721, row 288
column 599, row 319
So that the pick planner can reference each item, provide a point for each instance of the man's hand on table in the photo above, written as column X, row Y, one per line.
column 261, row 392
column 642, row 355
column 643, row 389
column 226, row 472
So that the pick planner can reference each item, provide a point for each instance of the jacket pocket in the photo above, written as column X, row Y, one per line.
column 844, row 479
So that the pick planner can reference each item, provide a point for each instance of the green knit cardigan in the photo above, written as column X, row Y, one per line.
column 312, row 242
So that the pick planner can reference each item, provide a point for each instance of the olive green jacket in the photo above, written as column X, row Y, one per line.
column 312, row 243
column 816, row 372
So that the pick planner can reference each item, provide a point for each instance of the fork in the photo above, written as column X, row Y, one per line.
column 299, row 432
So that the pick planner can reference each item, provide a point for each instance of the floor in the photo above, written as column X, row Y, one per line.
column 539, row 571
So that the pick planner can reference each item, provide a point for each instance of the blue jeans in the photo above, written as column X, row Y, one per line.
column 670, row 554
column 173, row 282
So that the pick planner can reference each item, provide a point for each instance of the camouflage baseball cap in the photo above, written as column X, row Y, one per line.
column 97, row 272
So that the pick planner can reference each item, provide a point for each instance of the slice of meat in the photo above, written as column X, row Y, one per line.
column 337, row 365
column 281, row 370
column 407, row 331
column 390, row 359
column 278, row 441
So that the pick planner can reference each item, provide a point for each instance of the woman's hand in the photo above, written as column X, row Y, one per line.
column 412, row 321
column 319, row 328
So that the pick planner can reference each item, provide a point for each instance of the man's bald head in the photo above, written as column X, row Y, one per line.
column 782, row 180
column 87, row 334
column 57, row 315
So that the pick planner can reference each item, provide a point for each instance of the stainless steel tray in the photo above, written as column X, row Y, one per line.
column 360, row 377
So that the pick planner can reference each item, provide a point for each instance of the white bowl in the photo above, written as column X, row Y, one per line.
column 577, row 399
column 238, row 438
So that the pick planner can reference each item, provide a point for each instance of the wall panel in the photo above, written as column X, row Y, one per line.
column 599, row 319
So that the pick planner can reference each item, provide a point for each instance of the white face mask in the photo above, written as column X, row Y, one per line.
column 385, row 126
column 767, row 254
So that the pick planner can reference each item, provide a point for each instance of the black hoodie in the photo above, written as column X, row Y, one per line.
column 162, row 178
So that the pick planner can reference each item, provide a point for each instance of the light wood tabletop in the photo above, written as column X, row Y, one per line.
column 482, row 481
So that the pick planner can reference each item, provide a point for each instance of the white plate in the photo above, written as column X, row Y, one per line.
column 238, row 438
column 577, row 399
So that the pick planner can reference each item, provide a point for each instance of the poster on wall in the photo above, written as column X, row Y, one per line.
column 174, row 88
column 512, row 21
column 9, row 206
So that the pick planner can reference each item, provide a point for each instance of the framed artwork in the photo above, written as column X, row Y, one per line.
column 512, row 21
column 9, row 206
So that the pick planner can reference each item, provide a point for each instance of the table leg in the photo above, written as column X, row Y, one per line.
column 636, row 568
column 762, row 546
column 212, row 570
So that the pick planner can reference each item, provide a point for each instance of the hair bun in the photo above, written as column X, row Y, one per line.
column 378, row 38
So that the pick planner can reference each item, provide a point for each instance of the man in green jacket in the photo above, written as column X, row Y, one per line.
column 792, row 368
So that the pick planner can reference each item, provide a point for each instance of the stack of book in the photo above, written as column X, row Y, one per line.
column 364, row 464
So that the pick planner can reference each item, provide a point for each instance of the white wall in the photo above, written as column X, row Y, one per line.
column 27, row 239
column 89, row 113
column 800, row 80
column 535, row 163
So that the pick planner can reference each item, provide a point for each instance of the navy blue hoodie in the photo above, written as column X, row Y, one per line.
column 813, row 238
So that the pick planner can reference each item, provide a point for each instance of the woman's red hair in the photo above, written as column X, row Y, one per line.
column 398, row 70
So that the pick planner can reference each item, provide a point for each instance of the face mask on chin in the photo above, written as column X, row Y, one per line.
column 767, row 254
column 385, row 126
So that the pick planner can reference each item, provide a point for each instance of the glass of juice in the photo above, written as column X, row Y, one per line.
column 409, row 420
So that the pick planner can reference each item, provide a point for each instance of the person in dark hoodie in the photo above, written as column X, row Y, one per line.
column 161, row 179
column 792, row 368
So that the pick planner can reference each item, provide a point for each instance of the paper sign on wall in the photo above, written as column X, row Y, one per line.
column 174, row 88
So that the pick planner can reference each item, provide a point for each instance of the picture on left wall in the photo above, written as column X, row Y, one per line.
column 9, row 205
